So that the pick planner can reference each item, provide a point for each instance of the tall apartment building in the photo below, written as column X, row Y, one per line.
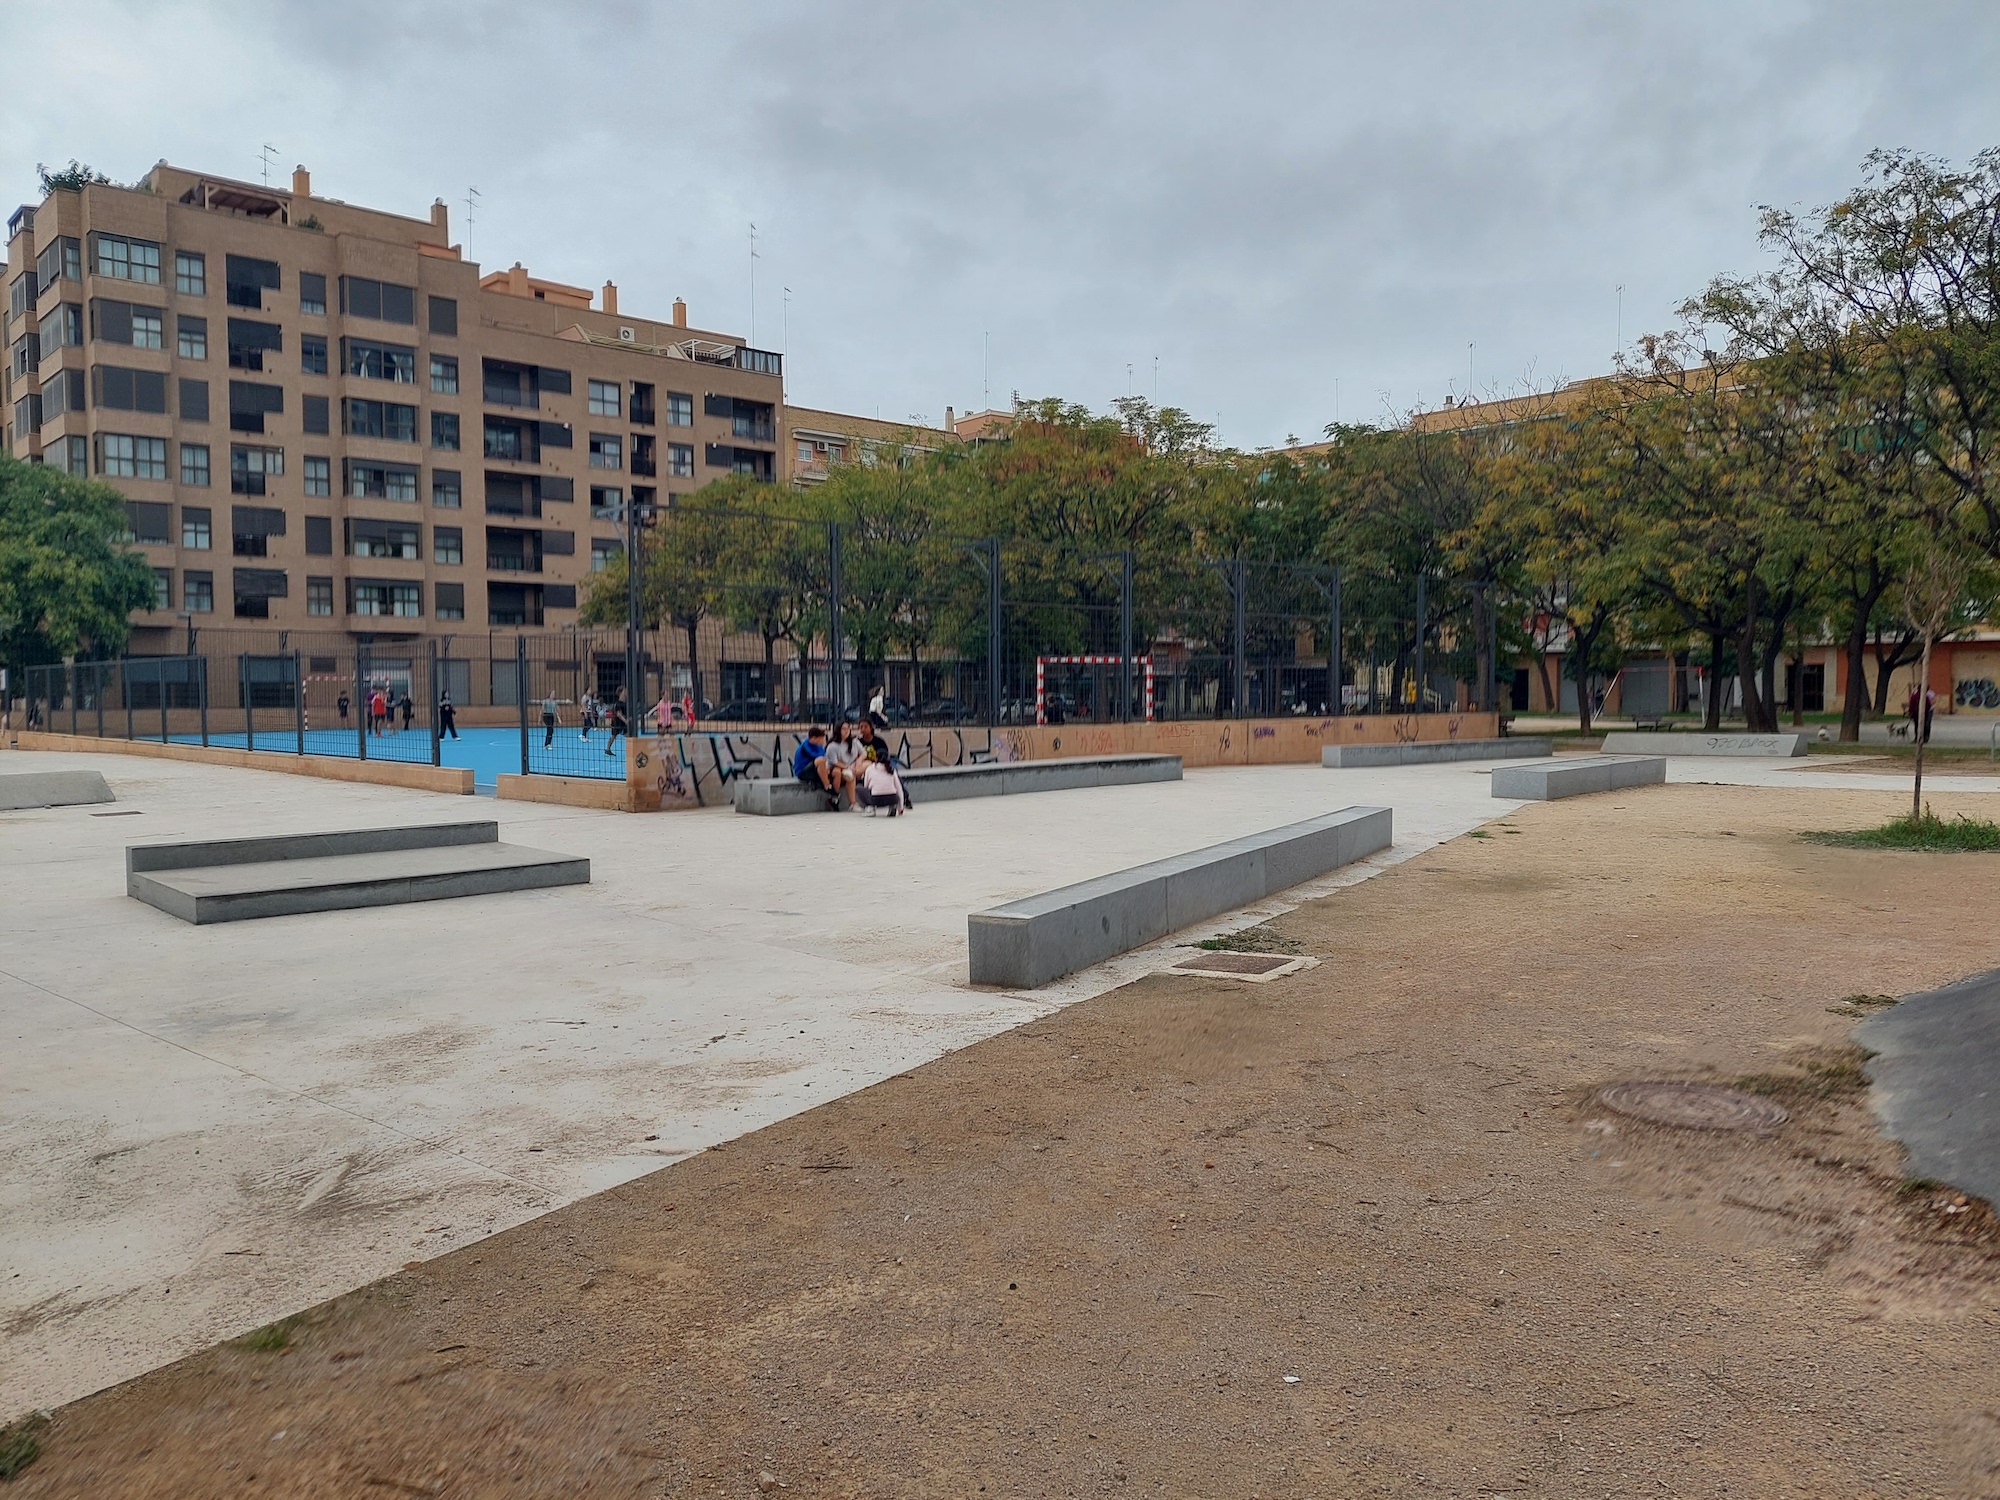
column 325, row 418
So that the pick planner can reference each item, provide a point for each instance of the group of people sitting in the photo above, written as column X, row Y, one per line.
column 854, row 763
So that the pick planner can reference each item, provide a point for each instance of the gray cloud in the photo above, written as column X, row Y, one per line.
column 1269, row 197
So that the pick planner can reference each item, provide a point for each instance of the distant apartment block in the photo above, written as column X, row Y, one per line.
column 324, row 417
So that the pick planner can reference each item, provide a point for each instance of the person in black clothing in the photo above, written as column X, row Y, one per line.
column 447, row 716
column 615, row 720
column 343, row 705
column 408, row 708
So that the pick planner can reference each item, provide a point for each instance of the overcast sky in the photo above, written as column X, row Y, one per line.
column 1269, row 199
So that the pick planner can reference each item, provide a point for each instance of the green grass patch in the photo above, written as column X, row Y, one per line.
column 1824, row 1073
column 21, row 1443
column 1909, row 1187
column 1927, row 833
column 270, row 1338
column 1855, row 1006
column 1253, row 940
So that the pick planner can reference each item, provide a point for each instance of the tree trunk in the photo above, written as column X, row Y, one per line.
column 692, row 625
column 1580, row 652
column 1923, row 687
column 770, row 675
column 1549, row 694
column 1855, row 701
column 1711, row 711
column 1746, row 666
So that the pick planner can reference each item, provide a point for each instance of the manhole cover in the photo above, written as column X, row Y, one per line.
column 1692, row 1106
column 1235, row 963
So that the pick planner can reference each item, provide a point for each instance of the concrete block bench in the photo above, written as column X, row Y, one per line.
column 1430, row 752
column 784, row 795
column 1576, row 776
column 232, row 880
column 1624, row 742
column 1037, row 939
column 27, row 789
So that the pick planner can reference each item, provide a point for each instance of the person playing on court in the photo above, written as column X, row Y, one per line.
column 614, row 718
column 548, row 721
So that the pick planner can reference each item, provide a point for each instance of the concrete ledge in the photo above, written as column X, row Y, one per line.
column 27, row 789
column 783, row 795
column 564, row 791
column 453, row 780
column 233, row 880
column 1629, row 742
column 1030, row 942
column 1576, row 776
column 1351, row 757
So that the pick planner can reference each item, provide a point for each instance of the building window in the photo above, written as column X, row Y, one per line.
column 372, row 361
column 604, row 398
column 125, row 323
column 680, row 460
column 62, row 328
column 447, row 544
column 61, row 392
column 444, row 374
column 252, row 469
column 367, row 538
column 445, row 492
column 71, row 455
column 315, row 415
column 148, row 328
column 245, row 280
column 194, row 474
column 190, row 273
column 163, row 588
column 250, row 341
column 606, row 501
column 319, row 536
column 381, row 481
column 319, row 476
column 607, row 451
column 319, row 596
column 251, row 528
column 149, row 521
column 255, row 588
column 198, row 593
column 380, row 419
column 250, row 402
column 444, row 430
column 602, row 551
column 123, row 457
column 312, row 294
column 194, row 400
column 195, row 518
column 403, row 599
column 680, row 409
column 444, row 317
column 312, row 354
column 128, row 260
column 450, row 600
column 129, row 390
column 383, row 300
column 192, row 339
column 60, row 259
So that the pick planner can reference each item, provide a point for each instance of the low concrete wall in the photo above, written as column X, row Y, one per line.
column 204, row 854
column 454, row 780
column 1630, row 742
column 1577, row 776
column 1015, row 778
column 1424, row 753
column 778, row 797
column 566, row 791
column 1030, row 942
column 26, row 789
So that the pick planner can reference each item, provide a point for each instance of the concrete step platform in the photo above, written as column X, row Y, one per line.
column 1681, row 742
column 235, row 880
column 1577, row 776
column 1430, row 752
column 1038, row 939
column 783, row 795
column 26, row 789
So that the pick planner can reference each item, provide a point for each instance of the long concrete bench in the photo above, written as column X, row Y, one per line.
column 25, row 789
column 1625, row 742
column 1429, row 752
column 783, row 795
column 232, row 880
column 1037, row 939
column 1576, row 776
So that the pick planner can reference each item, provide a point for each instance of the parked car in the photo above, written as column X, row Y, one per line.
column 944, row 711
column 744, row 711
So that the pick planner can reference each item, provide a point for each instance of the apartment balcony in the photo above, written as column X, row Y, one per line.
column 505, row 393
column 509, row 562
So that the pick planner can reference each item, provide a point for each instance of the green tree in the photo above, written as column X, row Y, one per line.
column 68, row 583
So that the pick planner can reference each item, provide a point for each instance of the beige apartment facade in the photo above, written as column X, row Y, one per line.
column 325, row 418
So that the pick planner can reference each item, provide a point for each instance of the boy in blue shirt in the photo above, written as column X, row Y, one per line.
column 809, row 765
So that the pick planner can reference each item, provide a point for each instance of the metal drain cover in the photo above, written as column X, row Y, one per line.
column 1692, row 1106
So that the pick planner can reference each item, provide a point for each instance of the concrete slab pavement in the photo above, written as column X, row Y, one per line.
column 1935, row 1081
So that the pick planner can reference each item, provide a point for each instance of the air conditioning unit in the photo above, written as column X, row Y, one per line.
column 626, row 336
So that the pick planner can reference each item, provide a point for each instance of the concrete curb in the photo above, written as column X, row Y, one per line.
column 781, row 796
column 1577, row 777
column 1632, row 742
column 1354, row 757
column 1030, row 942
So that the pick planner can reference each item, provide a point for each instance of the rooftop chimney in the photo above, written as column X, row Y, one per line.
column 680, row 313
column 950, row 421
column 610, row 302
column 441, row 217
column 517, row 280
column 302, row 183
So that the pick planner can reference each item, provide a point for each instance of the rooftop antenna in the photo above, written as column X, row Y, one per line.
column 471, row 212
column 1468, row 370
column 753, row 286
column 1156, row 380
column 265, row 156
column 1621, row 320
column 785, row 324
column 986, row 375
column 1128, row 377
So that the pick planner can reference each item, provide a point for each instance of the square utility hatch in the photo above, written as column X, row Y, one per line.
column 1253, row 968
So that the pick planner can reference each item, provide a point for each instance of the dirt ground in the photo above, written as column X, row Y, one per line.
column 1361, row 1231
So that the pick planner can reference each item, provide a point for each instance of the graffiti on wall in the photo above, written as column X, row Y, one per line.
column 696, row 768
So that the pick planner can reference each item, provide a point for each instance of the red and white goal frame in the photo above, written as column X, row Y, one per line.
column 1042, row 664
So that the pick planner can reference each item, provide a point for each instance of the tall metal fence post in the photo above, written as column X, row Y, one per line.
column 1333, row 649
column 299, row 700
column 125, row 685
column 1125, row 636
column 163, row 699
column 836, row 648
column 995, row 631
column 100, row 713
column 1423, row 622
column 634, row 688
column 521, row 693
column 243, row 688
column 1241, row 689
column 361, row 700
column 201, row 667
column 437, row 745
